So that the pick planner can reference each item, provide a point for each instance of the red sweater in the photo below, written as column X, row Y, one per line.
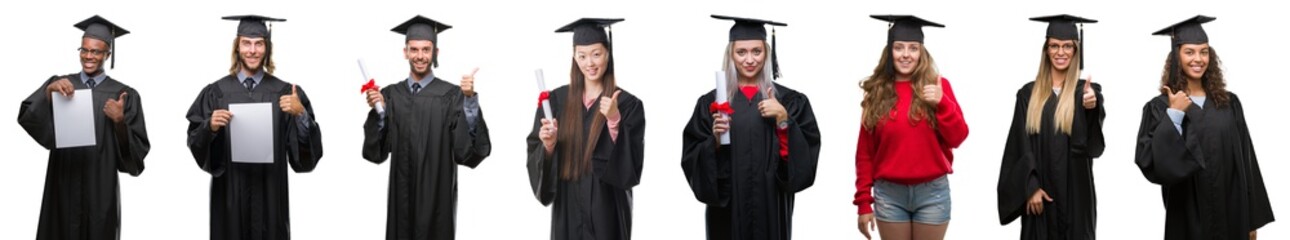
column 908, row 153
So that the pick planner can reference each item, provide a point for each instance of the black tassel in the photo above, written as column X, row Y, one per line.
column 1081, row 46
column 774, row 56
column 112, row 51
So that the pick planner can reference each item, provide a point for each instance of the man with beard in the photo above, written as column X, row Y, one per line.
column 429, row 126
column 82, row 198
column 249, row 199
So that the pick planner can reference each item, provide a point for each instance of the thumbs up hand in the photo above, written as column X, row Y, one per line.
column 1090, row 97
column 115, row 108
column 609, row 105
column 291, row 103
column 468, row 83
column 932, row 93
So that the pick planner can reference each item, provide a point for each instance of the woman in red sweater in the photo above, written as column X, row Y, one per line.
column 911, row 120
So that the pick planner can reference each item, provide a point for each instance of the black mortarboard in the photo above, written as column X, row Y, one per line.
column 905, row 27
column 421, row 28
column 587, row 31
column 98, row 28
column 1188, row 31
column 755, row 29
column 253, row 25
column 1064, row 27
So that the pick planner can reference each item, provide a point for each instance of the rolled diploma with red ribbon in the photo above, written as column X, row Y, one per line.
column 546, row 104
column 371, row 84
column 721, row 99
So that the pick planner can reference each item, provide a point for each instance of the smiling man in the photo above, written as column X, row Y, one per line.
column 430, row 127
column 249, row 200
column 81, row 198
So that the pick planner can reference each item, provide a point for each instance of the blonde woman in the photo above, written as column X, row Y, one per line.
column 750, row 184
column 1046, row 177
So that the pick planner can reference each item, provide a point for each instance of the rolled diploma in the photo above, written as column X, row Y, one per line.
column 380, row 106
column 546, row 104
column 721, row 98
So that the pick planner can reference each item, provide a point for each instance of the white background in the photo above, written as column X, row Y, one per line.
column 666, row 52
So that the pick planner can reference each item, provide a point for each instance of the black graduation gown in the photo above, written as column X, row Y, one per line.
column 1209, row 175
column 428, row 135
column 599, row 204
column 1060, row 164
column 748, row 188
column 82, row 196
column 249, row 200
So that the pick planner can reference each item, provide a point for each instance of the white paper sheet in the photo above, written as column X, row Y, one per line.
column 546, row 104
column 74, row 119
column 251, row 130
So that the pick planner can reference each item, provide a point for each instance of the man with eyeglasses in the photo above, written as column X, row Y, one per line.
column 249, row 195
column 81, row 199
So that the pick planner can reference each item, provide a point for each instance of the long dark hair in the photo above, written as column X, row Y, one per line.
column 1212, row 81
column 266, row 63
column 571, row 137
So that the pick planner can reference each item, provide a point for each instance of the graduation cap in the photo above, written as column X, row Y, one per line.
column 755, row 29
column 905, row 27
column 421, row 28
column 587, row 31
column 1188, row 31
column 1064, row 27
column 98, row 28
column 253, row 25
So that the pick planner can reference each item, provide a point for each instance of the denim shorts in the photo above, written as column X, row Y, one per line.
column 927, row 203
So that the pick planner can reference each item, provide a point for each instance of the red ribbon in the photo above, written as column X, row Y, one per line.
column 722, row 107
column 371, row 84
column 543, row 97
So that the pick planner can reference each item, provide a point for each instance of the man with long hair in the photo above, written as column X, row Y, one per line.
column 249, row 199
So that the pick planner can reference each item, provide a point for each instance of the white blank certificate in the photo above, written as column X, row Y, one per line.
column 74, row 119
column 251, row 130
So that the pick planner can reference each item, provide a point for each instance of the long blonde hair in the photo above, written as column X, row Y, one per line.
column 765, row 82
column 880, row 92
column 1043, row 89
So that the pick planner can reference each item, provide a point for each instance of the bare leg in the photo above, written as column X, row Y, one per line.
column 929, row 232
column 895, row 230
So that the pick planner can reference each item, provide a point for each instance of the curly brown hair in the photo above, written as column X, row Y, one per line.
column 880, row 93
column 1214, row 84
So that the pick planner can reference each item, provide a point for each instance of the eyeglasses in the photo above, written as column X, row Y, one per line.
column 1063, row 47
column 94, row 52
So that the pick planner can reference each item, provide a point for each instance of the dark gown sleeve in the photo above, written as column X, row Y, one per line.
column 543, row 170
column 707, row 173
column 205, row 145
column 798, row 171
column 469, row 146
column 132, row 136
column 1260, row 206
column 305, row 150
column 36, row 115
column 621, row 167
column 1017, row 177
column 375, row 148
column 1089, row 141
column 1165, row 156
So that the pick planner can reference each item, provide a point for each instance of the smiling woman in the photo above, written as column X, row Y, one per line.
column 1046, row 177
